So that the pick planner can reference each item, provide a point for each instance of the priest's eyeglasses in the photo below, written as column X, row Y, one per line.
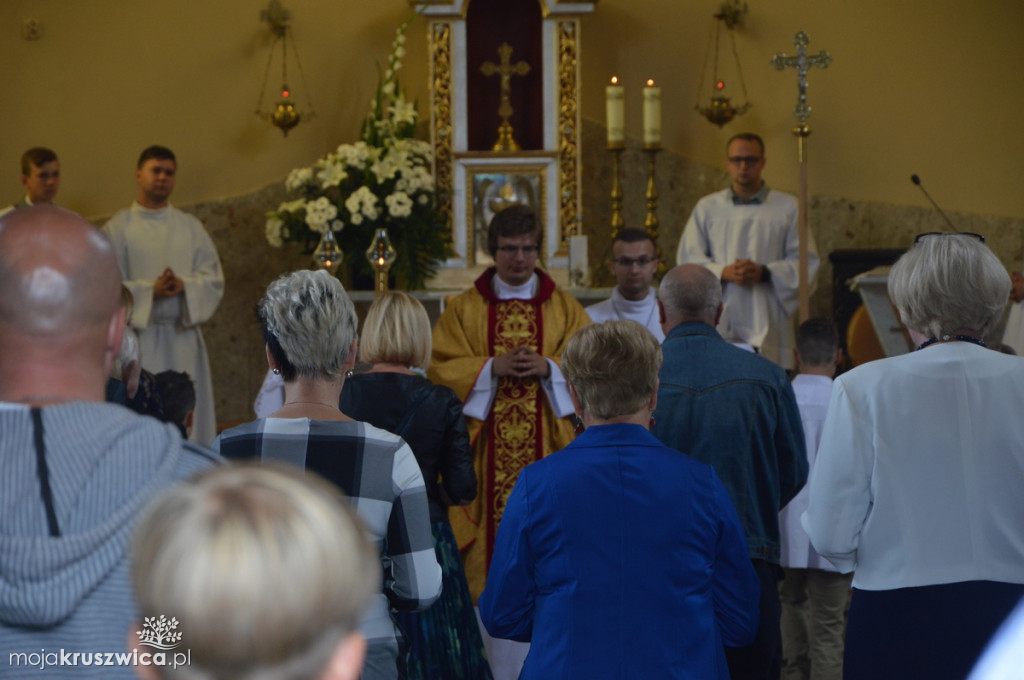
column 511, row 251
column 749, row 160
column 918, row 238
column 628, row 262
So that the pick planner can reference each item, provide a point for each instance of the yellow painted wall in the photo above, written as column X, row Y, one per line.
column 110, row 77
column 917, row 86
column 924, row 86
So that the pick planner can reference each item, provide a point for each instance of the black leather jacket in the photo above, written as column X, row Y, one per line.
column 436, row 431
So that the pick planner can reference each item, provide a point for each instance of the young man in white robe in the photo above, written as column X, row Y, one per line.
column 40, row 176
column 171, row 266
column 747, row 236
column 634, row 264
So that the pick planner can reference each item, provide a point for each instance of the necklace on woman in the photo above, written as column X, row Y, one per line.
column 950, row 338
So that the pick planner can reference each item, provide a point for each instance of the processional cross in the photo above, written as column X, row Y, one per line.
column 506, row 69
column 801, row 62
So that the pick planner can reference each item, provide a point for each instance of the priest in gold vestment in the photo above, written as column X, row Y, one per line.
column 497, row 345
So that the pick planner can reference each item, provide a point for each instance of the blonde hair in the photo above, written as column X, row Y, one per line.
column 267, row 571
column 949, row 282
column 396, row 331
column 613, row 367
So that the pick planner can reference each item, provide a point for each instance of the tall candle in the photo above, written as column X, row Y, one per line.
column 615, row 110
column 652, row 115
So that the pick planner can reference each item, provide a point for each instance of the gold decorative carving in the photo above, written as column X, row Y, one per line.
column 568, row 134
column 441, row 115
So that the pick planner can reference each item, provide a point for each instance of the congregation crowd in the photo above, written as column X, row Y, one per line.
column 677, row 482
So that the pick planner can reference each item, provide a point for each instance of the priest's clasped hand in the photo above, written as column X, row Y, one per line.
column 743, row 272
column 521, row 362
column 167, row 285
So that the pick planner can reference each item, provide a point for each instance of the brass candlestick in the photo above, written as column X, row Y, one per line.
column 617, row 222
column 651, row 221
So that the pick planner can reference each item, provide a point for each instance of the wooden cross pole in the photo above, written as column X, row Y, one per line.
column 506, row 69
column 801, row 62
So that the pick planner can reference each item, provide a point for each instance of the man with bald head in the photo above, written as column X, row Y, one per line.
column 736, row 411
column 75, row 472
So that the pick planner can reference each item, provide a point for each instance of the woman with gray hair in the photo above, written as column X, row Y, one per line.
column 619, row 557
column 309, row 325
column 267, row 571
column 917, row 484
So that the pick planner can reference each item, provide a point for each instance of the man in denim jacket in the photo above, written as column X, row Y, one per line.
column 736, row 411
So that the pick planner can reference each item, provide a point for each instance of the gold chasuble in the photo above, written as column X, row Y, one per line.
column 521, row 426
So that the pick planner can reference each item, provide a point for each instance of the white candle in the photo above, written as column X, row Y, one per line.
column 652, row 115
column 615, row 110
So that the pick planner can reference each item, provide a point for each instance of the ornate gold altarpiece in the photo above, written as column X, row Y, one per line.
column 472, row 179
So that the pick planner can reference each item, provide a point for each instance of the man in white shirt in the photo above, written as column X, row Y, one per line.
column 814, row 594
column 747, row 236
column 171, row 266
column 634, row 263
column 40, row 175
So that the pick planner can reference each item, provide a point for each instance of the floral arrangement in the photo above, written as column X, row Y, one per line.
column 383, row 180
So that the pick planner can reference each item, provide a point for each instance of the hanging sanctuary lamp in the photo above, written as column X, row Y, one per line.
column 719, row 109
column 285, row 115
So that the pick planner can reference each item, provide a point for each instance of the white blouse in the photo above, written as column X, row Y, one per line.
column 919, row 478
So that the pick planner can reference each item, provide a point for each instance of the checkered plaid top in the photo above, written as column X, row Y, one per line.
column 378, row 472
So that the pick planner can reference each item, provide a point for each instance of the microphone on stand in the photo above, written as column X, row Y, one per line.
column 917, row 180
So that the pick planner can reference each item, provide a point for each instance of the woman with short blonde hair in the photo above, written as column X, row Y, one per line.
column 659, row 538
column 392, row 396
column 244, row 547
column 396, row 331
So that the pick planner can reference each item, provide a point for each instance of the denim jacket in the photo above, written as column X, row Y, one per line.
column 735, row 411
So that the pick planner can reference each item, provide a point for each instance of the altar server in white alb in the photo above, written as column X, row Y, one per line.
column 747, row 236
column 171, row 266
column 634, row 264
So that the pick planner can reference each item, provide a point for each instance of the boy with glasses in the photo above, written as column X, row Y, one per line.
column 634, row 263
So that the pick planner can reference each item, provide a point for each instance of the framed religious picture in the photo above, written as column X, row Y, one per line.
column 490, row 190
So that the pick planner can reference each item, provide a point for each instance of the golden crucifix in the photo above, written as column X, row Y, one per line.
column 506, row 69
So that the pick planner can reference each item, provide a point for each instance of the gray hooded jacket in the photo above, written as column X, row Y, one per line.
column 65, row 585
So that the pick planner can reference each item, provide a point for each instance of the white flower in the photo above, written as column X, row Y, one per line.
column 402, row 111
column 389, row 88
column 399, row 204
column 354, row 155
column 385, row 168
column 332, row 175
column 337, row 225
column 423, row 199
column 297, row 178
column 319, row 213
column 361, row 203
column 273, row 231
column 399, row 51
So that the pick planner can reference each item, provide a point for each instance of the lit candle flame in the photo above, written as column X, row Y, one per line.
column 615, row 80
column 650, row 82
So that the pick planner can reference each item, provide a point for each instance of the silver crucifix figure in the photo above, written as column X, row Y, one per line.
column 801, row 62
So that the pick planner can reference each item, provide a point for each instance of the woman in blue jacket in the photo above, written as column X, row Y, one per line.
column 619, row 557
